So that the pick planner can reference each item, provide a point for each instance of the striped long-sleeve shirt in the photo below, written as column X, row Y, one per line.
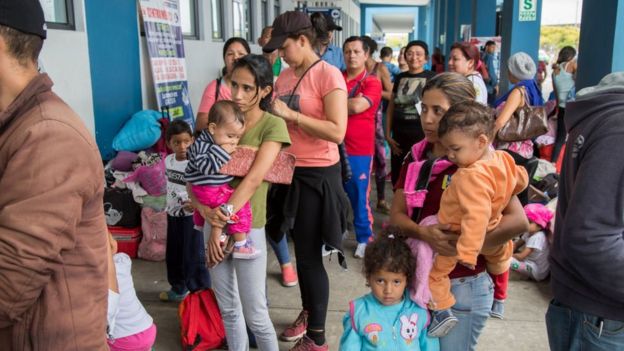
column 205, row 158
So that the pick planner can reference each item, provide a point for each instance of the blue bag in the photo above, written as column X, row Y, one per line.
column 140, row 132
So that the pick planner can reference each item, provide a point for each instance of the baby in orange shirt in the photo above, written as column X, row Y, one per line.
column 473, row 203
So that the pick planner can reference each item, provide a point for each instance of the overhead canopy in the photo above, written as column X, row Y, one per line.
column 395, row 22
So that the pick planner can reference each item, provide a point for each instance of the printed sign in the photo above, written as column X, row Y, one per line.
column 528, row 10
column 163, row 33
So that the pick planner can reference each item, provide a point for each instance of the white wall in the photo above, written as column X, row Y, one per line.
column 65, row 57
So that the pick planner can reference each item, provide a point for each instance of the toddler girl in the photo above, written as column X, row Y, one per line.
column 210, row 151
column 473, row 202
column 532, row 260
column 130, row 327
column 386, row 318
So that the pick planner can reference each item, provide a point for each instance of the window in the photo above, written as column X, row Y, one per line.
column 217, row 19
column 242, row 19
column 59, row 14
column 188, row 16
column 265, row 13
column 276, row 8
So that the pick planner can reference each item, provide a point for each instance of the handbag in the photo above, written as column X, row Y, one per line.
column 527, row 122
column 281, row 171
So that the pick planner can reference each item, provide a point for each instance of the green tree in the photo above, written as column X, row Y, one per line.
column 553, row 38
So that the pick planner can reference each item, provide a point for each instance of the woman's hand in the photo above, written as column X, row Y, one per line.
column 394, row 146
column 440, row 238
column 215, row 217
column 214, row 250
column 280, row 109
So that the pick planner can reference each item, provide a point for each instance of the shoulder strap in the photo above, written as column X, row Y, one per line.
column 357, row 85
column 300, row 79
column 218, row 89
column 352, row 314
column 423, row 183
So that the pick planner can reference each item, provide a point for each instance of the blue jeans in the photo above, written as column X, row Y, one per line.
column 281, row 249
column 474, row 296
column 570, row 330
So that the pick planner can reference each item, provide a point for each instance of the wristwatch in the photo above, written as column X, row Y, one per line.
column 228, row 210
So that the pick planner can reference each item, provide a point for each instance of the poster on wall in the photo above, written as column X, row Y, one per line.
column 165, row 44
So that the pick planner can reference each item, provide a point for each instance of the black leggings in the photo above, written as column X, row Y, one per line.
column 313, row 279
column 560, row 136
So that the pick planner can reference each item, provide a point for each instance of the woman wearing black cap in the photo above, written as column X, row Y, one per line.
column 312, row 99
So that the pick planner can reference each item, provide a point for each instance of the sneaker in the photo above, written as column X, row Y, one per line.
column 306, row 344
column 441, row 323
column 245, row 252
column 289, row 276
column 359, row 250
column 498, row 309
column 172, row 296
column 296, row 330
column 383, row 207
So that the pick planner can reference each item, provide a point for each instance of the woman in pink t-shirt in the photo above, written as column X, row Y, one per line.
column 311, row 96
column 233, row 49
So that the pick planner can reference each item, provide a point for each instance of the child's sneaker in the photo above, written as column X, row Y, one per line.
column 498, row 309
column 245, row 252
column 296, row 330
column 289, row 276
column 306, row 344
column 172, row 296
column 441, row 323
column 360, row 250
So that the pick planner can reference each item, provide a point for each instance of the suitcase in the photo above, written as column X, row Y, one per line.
column 127, row 239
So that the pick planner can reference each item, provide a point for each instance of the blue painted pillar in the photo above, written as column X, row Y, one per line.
column 431, row 25
column 464, row 18
column 518, row 35
column 440, row 24
column 484, row 18
column 422, row 20
column 452, row 28
column 601, row 45
column 113, row 35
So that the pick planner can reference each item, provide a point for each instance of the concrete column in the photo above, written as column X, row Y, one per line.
column 518, row 35
column 601, row 46
column 484, row 18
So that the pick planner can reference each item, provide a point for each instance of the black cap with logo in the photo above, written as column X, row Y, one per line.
column 23, row 15
column 284, row 25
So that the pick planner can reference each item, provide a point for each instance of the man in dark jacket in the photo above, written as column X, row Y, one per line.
column 53, row 238
column 587, row 257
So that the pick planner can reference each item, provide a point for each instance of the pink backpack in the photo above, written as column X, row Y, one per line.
column 154, row 226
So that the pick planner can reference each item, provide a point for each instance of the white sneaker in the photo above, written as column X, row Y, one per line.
column 359, row 250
